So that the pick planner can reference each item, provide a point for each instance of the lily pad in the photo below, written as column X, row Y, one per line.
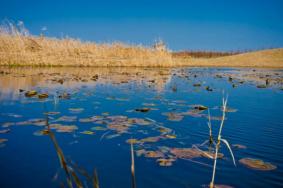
column 132, row 141
column 87, row 132
column 150, row 139
column 173, row 116
column 42, row 95
column 41, row 132
column 154, row 154
column 165, row 162
column 30, row 93
column 98, row 128
column 67, row 118
column 257, row 164
column 142, row 110
column 188, row 153
column 66, row 128
column 200, row 107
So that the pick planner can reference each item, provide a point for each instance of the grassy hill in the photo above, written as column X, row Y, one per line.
column 272, row 58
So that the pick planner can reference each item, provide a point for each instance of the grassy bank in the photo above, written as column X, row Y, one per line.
column 42, row 51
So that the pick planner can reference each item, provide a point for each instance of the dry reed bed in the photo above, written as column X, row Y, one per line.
column 42, row 51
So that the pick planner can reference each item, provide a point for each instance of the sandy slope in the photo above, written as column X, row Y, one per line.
column 265, row 58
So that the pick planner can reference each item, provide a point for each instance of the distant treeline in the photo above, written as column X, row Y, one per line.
column 203, row 54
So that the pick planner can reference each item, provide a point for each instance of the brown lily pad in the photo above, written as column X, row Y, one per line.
column 186, row 152
column 257, row 164
column 150, row 139
column 42, row 95
column 173, row 116
column 154, row 154
column 30, row 93
column 132, row 141
column 165, row 162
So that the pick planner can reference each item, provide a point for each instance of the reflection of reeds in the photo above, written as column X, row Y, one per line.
column 133, row 167
column 70, row 168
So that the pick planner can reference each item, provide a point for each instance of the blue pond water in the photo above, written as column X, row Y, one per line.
column 111, row 97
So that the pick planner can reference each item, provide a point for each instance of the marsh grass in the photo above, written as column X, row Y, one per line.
column 19, row 48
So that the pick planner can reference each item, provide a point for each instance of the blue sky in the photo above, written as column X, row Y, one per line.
column 193, row 24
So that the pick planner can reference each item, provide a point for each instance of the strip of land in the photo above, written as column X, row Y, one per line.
column 19, row 50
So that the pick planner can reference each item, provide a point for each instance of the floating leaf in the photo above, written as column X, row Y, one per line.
column 142, row 110
column 87, row 132
column 140, row 152
column 173, row 116
column 98, row 128
column 132, row 141
column 67, row 118
column 150, row 139
column 186, row 152
column 170, row 136
column 154, row 154
column 42, row 95
column 51, row 113
column 41, row 132
column 30, row 93
column 165, row 162
column 139, row 121
column 257, row 164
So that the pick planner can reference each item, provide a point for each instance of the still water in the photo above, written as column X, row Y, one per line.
column 93, row 112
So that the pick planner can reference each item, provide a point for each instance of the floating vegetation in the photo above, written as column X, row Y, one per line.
column 63, row 128
column 51, row 113
column 154, row 154
column 42, row 95
column 150, row 139
column 87, row 132
column 98, row 128
column 41, row 132
column 257, row 164
column 67, row 119
column 31, row 93
column 165, row 162
column 142, row 110
column 199, row 107
column 132, row 141
column 187, row 153
column 171, row 116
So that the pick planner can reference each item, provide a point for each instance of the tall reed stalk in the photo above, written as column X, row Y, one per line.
column 219, row 140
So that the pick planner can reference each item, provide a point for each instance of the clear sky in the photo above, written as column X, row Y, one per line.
column 192, row 24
